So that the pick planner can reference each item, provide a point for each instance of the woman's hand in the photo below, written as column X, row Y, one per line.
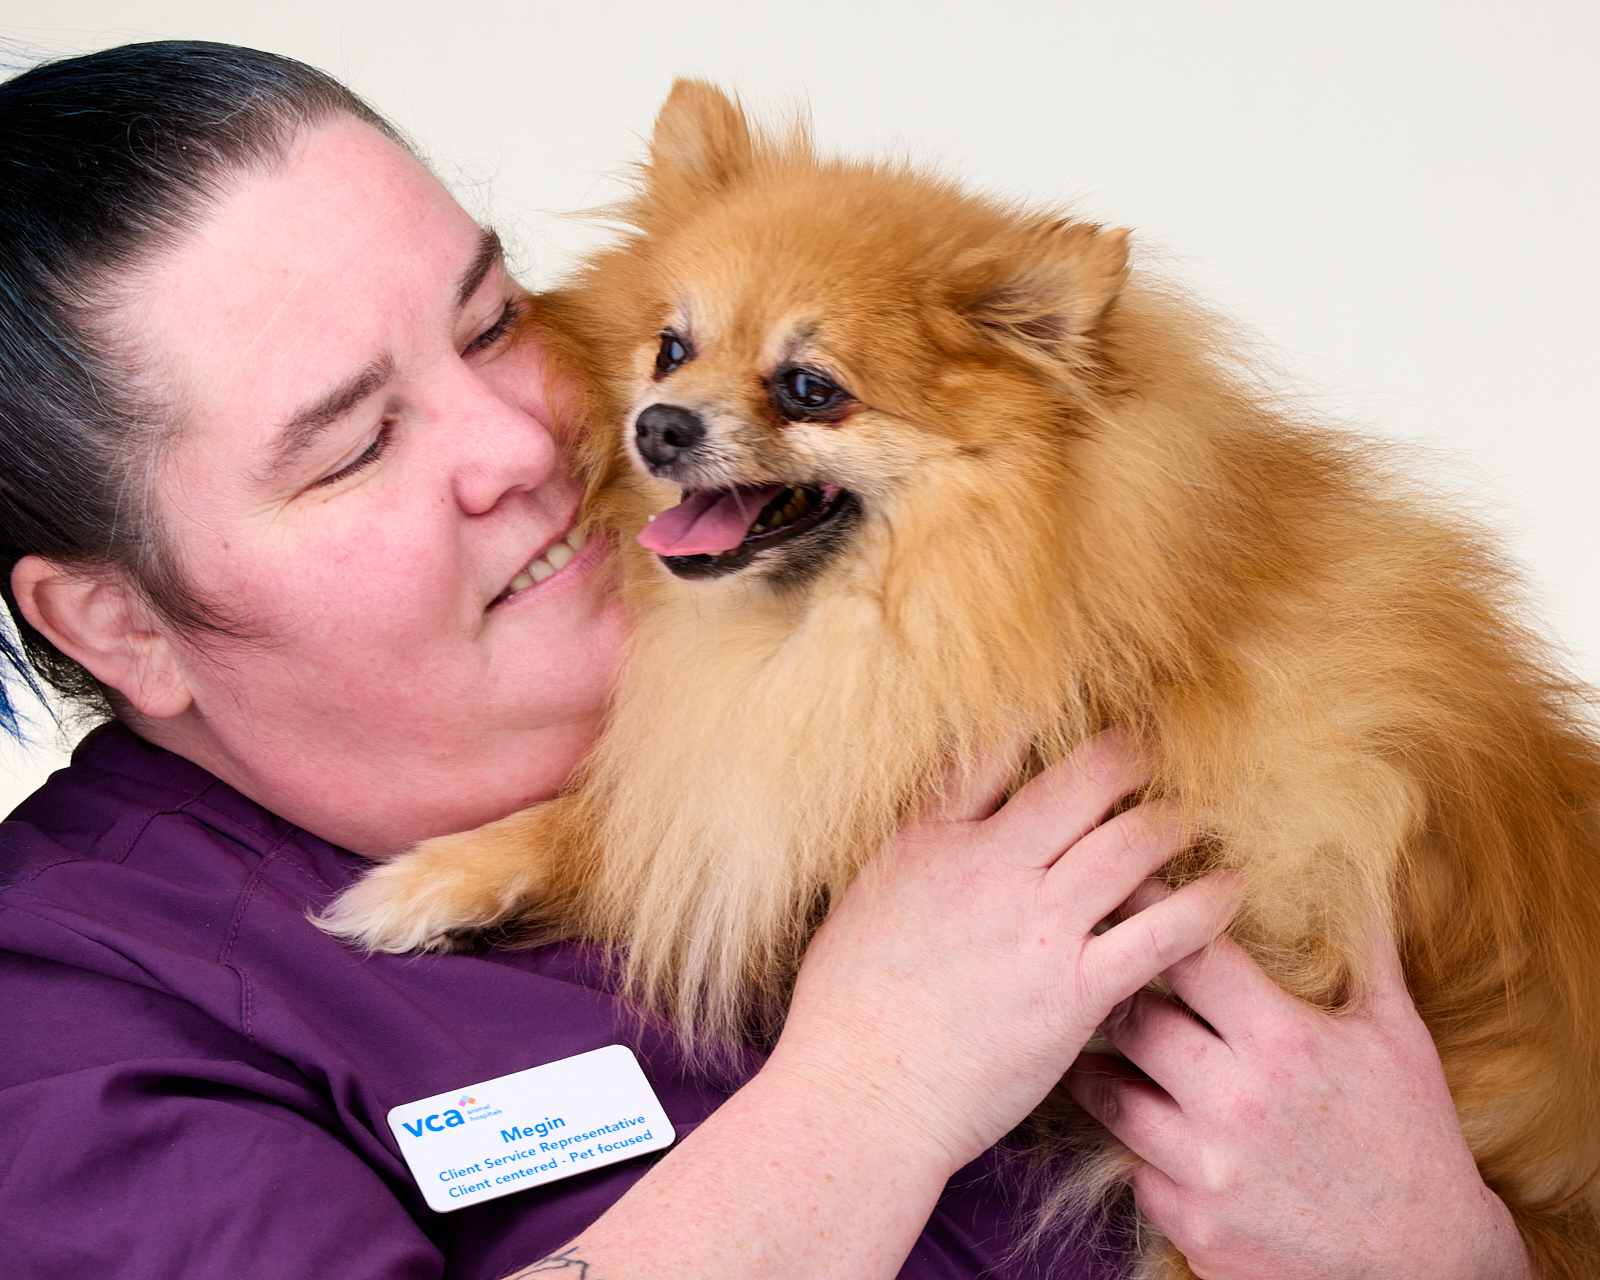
column 944, row 997
column 1291, row 1145
column 960, row 975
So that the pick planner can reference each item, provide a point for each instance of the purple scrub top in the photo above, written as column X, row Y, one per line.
column 194, row 1080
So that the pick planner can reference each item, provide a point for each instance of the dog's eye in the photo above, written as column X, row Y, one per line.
column 674, row 352
column 802, row 394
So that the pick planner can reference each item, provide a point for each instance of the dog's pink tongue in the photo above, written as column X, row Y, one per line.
column 707, row 521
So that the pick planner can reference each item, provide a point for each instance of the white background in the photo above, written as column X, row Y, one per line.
column 1402, row 197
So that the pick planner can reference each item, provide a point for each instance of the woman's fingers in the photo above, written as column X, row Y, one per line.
column 1108, row 864
column 1230, row 991
column 970, row 795
column 1060, row 806
column 1221, row 984
column 1150, row 891
column 1168, row 1044
column 1138, row 1111
column 1161, row 1199
column 1386, row 997
column 1130, row 954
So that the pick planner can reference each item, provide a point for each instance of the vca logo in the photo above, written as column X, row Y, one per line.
column 435, row 1123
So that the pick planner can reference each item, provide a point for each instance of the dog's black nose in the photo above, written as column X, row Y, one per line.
column 666, row 432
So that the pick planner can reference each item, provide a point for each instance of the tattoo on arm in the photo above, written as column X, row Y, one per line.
column 566, row 1261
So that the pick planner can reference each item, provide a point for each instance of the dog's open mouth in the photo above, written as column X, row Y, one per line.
column 717, row 531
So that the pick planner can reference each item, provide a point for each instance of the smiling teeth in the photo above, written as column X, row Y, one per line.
column 552, row 561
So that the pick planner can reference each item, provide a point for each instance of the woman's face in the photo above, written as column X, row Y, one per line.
column 364, row 466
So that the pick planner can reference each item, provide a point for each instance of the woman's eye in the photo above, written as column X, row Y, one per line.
column 370, row 451
column 503, row 325
column 674, row 351
column 803, row 393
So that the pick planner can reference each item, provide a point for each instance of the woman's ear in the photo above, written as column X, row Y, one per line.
column 101, row 623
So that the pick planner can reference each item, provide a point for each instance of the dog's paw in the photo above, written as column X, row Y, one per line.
column 422, row 900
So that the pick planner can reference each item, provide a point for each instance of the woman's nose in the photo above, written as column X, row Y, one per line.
column 503, row 444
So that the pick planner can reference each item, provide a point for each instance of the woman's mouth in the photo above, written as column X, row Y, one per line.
column 554, row 559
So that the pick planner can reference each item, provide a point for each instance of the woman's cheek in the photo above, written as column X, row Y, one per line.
column 394, row 574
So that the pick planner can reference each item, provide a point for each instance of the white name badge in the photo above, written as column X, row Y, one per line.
column 529, row 1128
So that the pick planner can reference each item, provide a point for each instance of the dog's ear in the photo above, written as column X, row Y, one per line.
column 1045, row 293
column 700, row 138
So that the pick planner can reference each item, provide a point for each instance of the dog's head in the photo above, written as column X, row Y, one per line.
column 821, row 345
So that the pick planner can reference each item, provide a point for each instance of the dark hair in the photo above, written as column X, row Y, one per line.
column 105, row 160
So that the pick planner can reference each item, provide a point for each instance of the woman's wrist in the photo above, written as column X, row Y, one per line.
column 883, row 1094
column 793, row 1176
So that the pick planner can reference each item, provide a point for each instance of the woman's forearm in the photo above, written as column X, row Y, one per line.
column 786, row 1179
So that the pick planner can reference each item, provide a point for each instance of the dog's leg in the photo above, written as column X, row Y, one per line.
column 458, row 884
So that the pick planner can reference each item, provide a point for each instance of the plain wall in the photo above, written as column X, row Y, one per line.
column 1402, row 198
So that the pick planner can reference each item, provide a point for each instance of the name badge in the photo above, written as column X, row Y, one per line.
column 529, row 1128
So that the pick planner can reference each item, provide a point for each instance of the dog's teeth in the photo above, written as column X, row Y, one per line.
column 559, row 555
column 578, row 537
column 520, row 583
column 651, row 520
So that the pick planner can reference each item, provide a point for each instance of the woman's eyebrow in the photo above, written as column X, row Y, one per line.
column 490, row 252
column 301, row 431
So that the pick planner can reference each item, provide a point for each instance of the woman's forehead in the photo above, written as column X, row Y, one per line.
column 348, row 254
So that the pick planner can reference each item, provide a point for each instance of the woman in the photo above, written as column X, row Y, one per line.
column 275, row 471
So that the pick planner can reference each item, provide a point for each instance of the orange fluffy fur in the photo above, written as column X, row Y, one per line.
column 1079, row 508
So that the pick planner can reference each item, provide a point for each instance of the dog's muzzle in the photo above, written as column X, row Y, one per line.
column 663, row 433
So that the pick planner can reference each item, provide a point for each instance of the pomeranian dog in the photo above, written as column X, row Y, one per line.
column 901, row 468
